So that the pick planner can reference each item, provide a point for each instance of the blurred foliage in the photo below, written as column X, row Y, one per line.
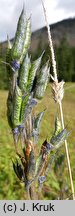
column 3, row 76
column 57, row 183
column 65, row 61
column 65, row 57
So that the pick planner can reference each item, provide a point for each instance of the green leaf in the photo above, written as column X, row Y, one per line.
column 24, row 108
column 36, row 126
column 57, row 129
column 32, row 73
column 18, row 45
column 23, row 73
column 38, row 119
column 60, row 138
column 17, row 100
column 27, row 39
column 27, row 105
column 42, row 81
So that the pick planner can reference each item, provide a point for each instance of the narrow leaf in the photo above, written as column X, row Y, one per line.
column 17, row 100
column 27, row 39
column 23, row 73
column 32, row 73
column 42, row 81
column 36, row 126
column 18, row 170
column 60, row 138
column 17, row 48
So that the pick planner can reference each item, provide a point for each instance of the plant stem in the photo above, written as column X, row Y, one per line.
column 27, row 195
column 60, row 103
column 50, row 44
column 67, row 152
column 33, row 194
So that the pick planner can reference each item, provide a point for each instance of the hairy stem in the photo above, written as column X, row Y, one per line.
column 50, row 44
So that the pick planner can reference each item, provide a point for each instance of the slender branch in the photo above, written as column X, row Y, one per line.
column 50, row 44
column 67, row 152
column 60, row 104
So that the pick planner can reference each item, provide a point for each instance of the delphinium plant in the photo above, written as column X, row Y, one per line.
column 27, row 83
